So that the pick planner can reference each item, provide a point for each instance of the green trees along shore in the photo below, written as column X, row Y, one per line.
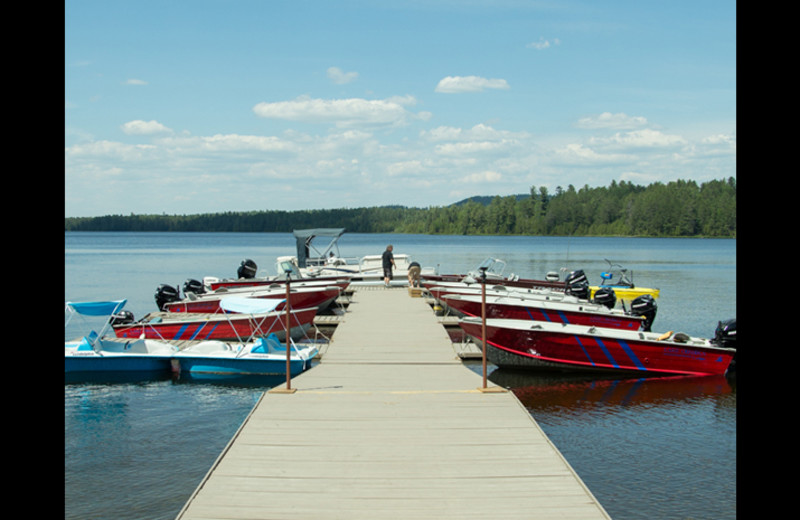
column 676, row 209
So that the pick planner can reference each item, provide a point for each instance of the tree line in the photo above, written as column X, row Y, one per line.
column 676, row 209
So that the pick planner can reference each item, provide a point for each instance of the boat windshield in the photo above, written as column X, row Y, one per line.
column 493, row 266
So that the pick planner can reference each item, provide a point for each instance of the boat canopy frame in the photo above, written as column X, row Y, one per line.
column 95, row 309
column 305, row 238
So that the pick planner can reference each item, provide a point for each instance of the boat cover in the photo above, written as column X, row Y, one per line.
column 249, row 305
column 305, row 236
column 98, row 308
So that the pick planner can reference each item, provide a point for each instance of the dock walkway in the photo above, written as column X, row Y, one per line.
column 390, row 425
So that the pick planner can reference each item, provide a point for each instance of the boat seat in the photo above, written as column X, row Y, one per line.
column 87, row 341
column 267, row 345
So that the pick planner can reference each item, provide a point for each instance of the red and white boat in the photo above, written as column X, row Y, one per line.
column 542, row 345
column 493, row 269
column 300, row 297
column 575, row 313
column 182, row 326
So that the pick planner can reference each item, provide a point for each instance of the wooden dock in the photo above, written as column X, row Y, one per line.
column 390, row 425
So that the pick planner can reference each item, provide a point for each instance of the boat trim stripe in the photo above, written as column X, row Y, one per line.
column 585, row 353
column 631, row 355
column 606, row 352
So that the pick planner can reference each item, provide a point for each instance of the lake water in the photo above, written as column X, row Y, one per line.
column 658, row 449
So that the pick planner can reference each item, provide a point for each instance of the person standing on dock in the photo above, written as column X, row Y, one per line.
column 413, row 274
column 388, row 264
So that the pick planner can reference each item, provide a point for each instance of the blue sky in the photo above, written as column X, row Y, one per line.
column 185, row 107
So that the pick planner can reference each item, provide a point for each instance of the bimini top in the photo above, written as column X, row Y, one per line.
column 304, row 238
column 97, row 308
column 244, row 305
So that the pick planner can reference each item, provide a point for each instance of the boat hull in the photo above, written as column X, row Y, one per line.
column 319, row 298
column 116, row 355
column 600, row 350
column 97, row 364
column 217, row 359
column 218, row 326
column 238, row 367
column 525, row 283
column 530, row 310
column 260, row 282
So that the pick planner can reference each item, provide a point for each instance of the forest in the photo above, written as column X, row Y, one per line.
column 680, row 208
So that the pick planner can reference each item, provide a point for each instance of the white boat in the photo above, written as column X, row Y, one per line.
column 95, row 352
column 313, row 262
column 259, row 356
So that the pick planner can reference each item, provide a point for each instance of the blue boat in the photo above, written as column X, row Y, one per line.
column 95, row 352
column 259, row 356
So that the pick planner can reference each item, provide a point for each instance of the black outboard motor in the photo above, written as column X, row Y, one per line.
column 193, row 286
column 577, row 285
column 605, row 296
column 725, row 335
column 247, row 269
column 166, row 294
column 645, row 306
column 122, row 318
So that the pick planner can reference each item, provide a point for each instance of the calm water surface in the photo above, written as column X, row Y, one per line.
column 656, row 449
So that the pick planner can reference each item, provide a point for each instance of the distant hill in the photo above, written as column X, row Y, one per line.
column 487, row 199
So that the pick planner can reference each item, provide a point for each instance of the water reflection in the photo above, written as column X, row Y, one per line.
column 647, row 448
column 539, row 391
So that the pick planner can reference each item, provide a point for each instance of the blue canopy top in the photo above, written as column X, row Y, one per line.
column 98, row 308
column 245, row 305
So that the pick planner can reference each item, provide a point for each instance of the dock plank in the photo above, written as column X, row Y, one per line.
column 390, row 424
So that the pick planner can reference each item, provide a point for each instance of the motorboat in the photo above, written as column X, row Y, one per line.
column 640, row 317
column 181, row 326
column 325, row 261
column 300, row 297
column 96, row 352
column 262, row 357
column 575, row 289
column 492, row 270
column 620, row 280
column 548, row 346
column 246, row 277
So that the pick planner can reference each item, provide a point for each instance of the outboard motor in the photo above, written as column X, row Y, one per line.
column 725, row 335
column 166, row 294
column 122, row 318
column 645, row 306
column 247, row 269
column 605, row 296
column 193, row 286
column 577, row 285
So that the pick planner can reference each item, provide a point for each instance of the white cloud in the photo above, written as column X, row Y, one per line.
column 618, row 121
column 483, row 176
column 460, row 84
column 228, row 143
column 645, row 138
column 340, row 77
column 139, row 127
column 579, row 155
column 342, row 112
column 133, row 81
column 478, row 132
column 543, row 44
